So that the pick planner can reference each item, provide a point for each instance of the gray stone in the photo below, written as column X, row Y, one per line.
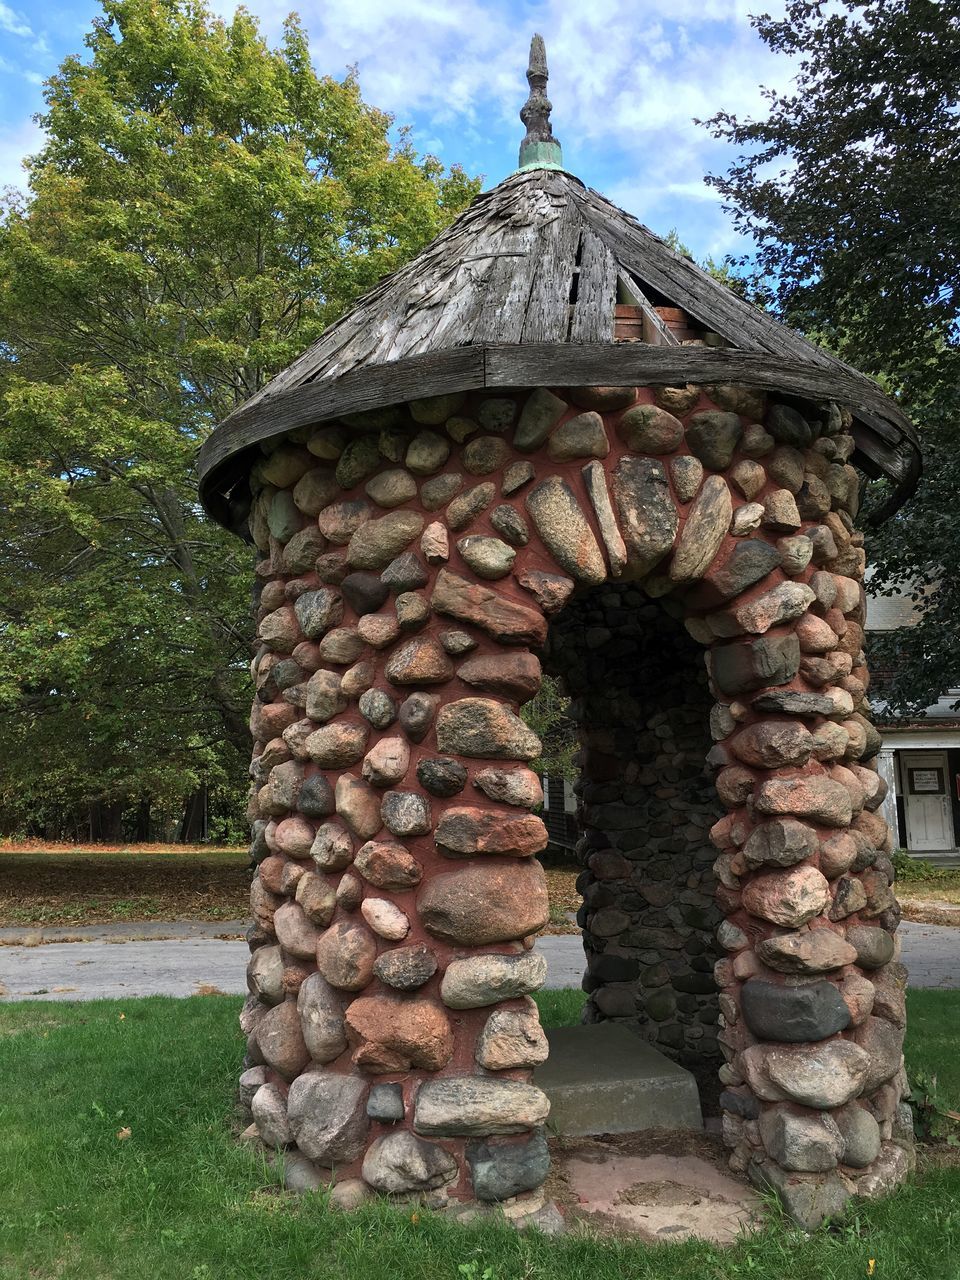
column 485, row 454
column 440, row 490
column 816, row 951
column 648, row 517
column 321, row 1019
column 483, row 980
column 248, row 1084
column 806, row 1198
column 318, row 611
column 497, row 413
column 283, row 518
column 782, row 842
column 457, row 642
column 427, row 452
column 406, row 968
column 713, row 437
column 265, row 975
column 580, row 437
column 564, row 530
column 687, row 475
column 299, row 1174
column 433, row 410
column 518, row 786
column 300, row 553
column 874, row 947
column 512, row 1039
column 793, row 1014
column 405, row 573
column 883, row 1044
column 392, row 488
column 860, row 1134
column 703, row 531
column 406, row 813
column 825, row 1075
column 748, row 665
column 316, row 797
column 378, row 541
column 269, row 1109
column 500, row 1170
column 472, row 1106
column 515, row 477
column 595, row 482
column 801, row 1143
column 787, row 426
column 443, row 776
column 541, row 412
column 339, row 521
column 487, row 557
column 364, row 592
column 750, row 560
column 417, row 713
column 469, row 505
column 888, row 1171
column 314, row 490
column 378, row 708
column 400, row 1163
column 793, row 703
column 360, row 458
column 645, row 428
column 385, row 1103
column 328, row 1117
column 325, row 697
column 510, row 524
column 480, row 727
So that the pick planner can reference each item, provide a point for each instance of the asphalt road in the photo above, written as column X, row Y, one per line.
column 107, row 966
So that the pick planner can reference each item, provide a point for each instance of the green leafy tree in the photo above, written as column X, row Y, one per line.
column 849, row 189
column 203, row 206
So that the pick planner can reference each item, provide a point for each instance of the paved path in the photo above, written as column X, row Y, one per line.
column 185, row 965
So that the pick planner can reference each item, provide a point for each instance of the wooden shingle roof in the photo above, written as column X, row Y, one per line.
column 524, row 289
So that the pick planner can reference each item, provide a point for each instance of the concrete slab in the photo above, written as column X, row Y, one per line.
column 662, row 1197
column 605, row 1079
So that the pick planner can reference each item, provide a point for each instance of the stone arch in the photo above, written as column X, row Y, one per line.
column 412, row 560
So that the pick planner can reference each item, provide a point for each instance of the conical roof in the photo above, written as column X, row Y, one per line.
column 544, row 282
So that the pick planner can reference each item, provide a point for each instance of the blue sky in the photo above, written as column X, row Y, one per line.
column 625, row 80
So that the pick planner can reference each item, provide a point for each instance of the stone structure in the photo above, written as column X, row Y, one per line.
column 550, row 439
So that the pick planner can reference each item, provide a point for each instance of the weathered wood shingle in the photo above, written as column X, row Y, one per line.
column 527, row 279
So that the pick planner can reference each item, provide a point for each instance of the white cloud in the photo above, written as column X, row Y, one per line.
column 13, row 22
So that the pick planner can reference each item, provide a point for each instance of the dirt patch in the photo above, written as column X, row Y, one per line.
column 38, row 889
column 930, row 911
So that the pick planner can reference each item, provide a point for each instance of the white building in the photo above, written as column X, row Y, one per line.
column 920, row 757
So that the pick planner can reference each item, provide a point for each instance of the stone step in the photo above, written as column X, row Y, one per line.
column 603, row 1078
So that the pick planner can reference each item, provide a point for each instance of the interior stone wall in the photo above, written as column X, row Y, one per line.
column 410, row 562
column 646, row 805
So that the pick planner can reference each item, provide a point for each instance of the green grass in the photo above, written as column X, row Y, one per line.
column 179, row 1200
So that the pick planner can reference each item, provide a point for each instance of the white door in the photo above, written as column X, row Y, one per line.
column 926, row 793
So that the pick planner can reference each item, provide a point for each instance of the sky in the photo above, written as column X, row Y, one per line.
column 626, row 82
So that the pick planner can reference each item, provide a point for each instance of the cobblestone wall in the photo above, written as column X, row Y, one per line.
column 647, row 803
column 410, row 562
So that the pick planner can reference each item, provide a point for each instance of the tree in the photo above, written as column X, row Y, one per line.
column 849, row 190
column 202, row 208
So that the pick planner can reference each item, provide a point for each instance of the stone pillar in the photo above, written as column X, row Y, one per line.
column 411, row 561
column 648, row 802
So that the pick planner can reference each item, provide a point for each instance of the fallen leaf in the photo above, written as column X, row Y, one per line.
column 123, row 1133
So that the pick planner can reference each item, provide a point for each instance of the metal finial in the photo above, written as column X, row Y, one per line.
column 539, row 149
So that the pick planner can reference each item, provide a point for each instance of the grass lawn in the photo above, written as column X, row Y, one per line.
column 177, row 1199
